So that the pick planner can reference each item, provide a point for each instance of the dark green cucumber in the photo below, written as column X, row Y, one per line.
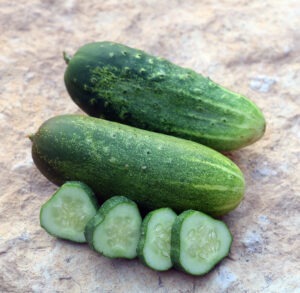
column 115, row 230
column 67, row 212
column 198, row 242
column 154, row 248
column 126, row 85
column 153, row 169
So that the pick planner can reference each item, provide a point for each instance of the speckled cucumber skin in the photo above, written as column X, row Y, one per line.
column 153, row 169
column 127, row 85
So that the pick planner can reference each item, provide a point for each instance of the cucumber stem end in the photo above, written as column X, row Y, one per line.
column 67, row 57
column 31, row 136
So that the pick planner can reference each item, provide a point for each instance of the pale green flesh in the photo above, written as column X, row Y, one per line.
column 66, row 213
column 118, row 234
column 157, row 247
column 204, row 242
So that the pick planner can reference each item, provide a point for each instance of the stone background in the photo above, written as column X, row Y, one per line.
column 252, row 47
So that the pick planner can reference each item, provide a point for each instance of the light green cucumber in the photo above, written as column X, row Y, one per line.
column 123, row 84
column 115, row 230
column 198, row 242
column 154, row 247
column 67, row 212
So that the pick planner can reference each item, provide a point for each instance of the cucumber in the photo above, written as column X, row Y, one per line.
column 153, row 169
column 115, row 230
column 154, row 247
column 119, row 83
column 198, row 242
column 67, row 212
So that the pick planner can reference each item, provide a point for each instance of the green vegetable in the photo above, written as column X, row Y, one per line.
column 198, row 242
column 154, row 247
column 66, row 213
column 115, row 229
column 126, row 85
column 153, row 169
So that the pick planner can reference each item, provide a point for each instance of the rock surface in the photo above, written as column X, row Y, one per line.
column 251, row 47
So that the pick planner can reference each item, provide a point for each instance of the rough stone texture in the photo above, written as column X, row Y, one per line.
column 251, row 47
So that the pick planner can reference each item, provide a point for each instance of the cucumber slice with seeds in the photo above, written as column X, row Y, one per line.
column 155, row 243
column 66, row 213
column 115, row 230
column 198, row 242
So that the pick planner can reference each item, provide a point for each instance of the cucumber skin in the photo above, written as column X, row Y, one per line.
column 89, row 228
column 79, row 184
column 143, row 237
column 153, row 169
column 175, row 242
column 119, row 83
column 142, row 240
column 101, row 214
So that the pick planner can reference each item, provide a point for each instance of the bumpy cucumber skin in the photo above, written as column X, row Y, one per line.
column 153, row 169
column 127, row 85
column 89, row 192
column 143, row 238
column 100, row 217
column 175, row 243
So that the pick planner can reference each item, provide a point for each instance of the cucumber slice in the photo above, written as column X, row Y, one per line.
column 154, row 247
column 198, row 242
column 66, row 213
column 115, row 230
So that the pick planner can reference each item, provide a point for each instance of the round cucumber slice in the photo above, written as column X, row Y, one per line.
column 115, row 230
column 66, row 213
column 154, row 247
column 198, row 242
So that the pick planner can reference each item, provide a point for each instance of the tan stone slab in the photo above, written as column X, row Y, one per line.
column 251, row 47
